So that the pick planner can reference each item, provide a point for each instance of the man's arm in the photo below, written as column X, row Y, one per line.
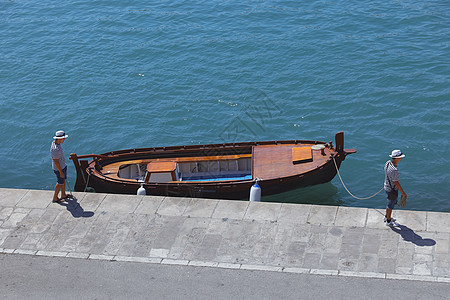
column 61, row 173
column 397, row 184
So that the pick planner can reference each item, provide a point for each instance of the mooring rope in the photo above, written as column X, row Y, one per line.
column 89, row 176
column 359, row 198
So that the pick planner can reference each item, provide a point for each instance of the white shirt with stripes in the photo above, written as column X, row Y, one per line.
column 391, row 175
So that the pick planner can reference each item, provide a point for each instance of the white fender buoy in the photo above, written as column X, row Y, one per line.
column 255, row 192
column 141, row 190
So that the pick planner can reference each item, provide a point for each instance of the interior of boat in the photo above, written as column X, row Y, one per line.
column 202, row 170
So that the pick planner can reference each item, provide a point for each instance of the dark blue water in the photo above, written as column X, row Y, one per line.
column 133, row 74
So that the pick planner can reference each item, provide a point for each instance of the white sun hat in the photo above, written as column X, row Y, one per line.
column 60, row 134
column 397, row 154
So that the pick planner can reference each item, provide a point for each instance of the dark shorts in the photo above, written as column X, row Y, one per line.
column 391, row 199
column 58, row 178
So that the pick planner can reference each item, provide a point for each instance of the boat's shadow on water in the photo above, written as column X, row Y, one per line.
column 321, row 194
column 75, row 208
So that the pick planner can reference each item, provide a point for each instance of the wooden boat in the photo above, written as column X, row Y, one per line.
column 222, row 171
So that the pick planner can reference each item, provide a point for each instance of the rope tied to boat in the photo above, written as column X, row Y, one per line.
column 87, row 183
column 359, row 198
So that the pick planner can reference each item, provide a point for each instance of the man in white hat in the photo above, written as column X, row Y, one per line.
column 59, row 165
column 392, row 185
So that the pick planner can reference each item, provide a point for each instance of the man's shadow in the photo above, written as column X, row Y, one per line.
column 410, row 236
column 75, row 208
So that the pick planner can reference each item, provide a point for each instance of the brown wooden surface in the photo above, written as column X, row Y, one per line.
column 301, row 154
column 161, row 166
column 275, row 161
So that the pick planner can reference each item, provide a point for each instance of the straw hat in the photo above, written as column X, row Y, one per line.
column 60, row 134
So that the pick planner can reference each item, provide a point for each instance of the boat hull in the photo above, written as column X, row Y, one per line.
column 89, row 173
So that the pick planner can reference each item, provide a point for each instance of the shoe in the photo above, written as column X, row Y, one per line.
column 392, row 219
column 391, row 223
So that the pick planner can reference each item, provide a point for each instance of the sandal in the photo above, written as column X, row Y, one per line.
column 58, row 201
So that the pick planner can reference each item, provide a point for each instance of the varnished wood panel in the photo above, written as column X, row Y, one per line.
column 275, row 161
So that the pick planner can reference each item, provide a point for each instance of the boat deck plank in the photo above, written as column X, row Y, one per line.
column 276, row 161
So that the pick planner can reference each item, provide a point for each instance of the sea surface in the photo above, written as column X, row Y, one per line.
column 127, row 74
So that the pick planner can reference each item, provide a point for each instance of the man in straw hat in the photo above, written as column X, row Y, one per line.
column 59, row 165
column 392, row 185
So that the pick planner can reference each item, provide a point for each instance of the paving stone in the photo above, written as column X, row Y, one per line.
column 262, row 250
column 5, row 212
column 176, row 253
column 10, row 197
column 333, row 241
column 268, row 232
column 371, row 243
column 71, row 244
column 316, row 243
column 78, row 196
column 322, row 215
column 416, row 220
column 262, row 211
column 36, row 199
column 116, row 241
column 311, row 260
column 91, row 201
column 422, row 269
column 294, row 213
column 168, row 233
column 351, row 216
column 375, row 219
column 96, row 239
column 387, row 265
column 368, row 262
column 388, row 249
column 441, row 260
column 353, row 235
column 319, row 229
column 33, row 216
column 442, row 272
column 438, row 222
column 55, row 222
column 13, row 240
column 119, row 203
column 149, row 205
column 404, row 270
column 231, row 209
column 201, row 208
column 51, row 253
column 208, row 248
column 348, row 264
column 4, row 233
column 173, row 206
column 301, row 233
column 329, row 261
column 405, row 259
column 216, row 226
column 161, row 253
column 196, row 263
column 135, row 235
column 30, row 242
column 13, row 220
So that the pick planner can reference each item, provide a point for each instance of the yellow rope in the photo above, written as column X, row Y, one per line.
column 337, row 169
